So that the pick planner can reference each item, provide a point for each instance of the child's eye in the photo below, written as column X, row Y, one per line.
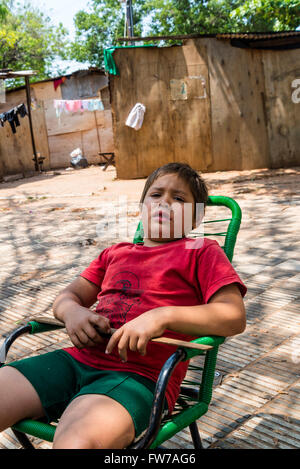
column 155, row 194
column 179, row 198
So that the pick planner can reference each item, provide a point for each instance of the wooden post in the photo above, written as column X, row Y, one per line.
column 36, row 164
column 129, row 17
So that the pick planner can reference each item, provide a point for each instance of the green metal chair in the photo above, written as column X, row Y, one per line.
column 195, row 396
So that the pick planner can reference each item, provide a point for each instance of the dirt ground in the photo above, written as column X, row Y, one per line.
column 87, row 187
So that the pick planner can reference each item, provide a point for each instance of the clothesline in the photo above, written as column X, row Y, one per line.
column 67, row 105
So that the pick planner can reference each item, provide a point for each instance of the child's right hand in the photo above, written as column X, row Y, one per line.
column 81, row 326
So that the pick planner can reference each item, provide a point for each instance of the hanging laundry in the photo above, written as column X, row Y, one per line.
column 11, row 116
column 58, row 82
column 136, row 116
column 75, row 105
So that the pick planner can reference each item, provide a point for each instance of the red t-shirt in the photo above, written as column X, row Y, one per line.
column 135, row 278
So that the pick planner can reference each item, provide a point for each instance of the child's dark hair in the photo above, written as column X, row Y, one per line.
column 189, row 175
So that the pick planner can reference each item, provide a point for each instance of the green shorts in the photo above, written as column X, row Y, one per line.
column 58, row 379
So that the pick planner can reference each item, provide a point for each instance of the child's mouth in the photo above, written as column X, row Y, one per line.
column 162, row 216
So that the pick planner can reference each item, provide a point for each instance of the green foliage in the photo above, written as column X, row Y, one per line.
column 99, row 28
column 104, row 22
column 220, row 16
column 28, row 40
column 267, row 15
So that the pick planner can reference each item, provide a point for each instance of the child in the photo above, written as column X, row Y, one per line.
column 168, row 285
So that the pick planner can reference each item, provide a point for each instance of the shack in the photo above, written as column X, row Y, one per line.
column 218, row 102
column 57, row 132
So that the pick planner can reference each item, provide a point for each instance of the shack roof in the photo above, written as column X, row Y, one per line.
column 257, row 40
column 7, row 73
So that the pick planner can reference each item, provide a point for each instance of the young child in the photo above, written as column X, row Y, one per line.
column 171, row 285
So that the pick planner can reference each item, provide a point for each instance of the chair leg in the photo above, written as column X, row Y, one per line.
column 195, row 436
column 23, row 439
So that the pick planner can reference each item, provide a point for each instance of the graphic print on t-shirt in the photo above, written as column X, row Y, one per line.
column 125, row 293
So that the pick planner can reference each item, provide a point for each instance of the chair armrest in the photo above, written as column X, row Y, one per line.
column 40, row 325
column 10, row 339
column 213, row 341
column 36, row 326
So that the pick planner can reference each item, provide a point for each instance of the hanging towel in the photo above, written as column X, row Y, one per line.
column 136, row 116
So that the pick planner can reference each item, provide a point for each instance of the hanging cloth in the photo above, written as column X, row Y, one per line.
column 75, row 105
column 12, row 118
column 58, row 82
column 136, row 116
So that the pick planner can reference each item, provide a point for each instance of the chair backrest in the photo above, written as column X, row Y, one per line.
column 232, row 229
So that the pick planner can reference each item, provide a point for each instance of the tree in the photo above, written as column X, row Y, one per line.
column 100, row 27
column 104, row 23
column 267, row 15
column 28, row 40
column 220, row 16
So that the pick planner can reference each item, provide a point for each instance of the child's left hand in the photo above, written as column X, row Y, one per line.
column 135, row 334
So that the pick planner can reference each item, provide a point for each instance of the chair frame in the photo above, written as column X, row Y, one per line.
column 157, row 431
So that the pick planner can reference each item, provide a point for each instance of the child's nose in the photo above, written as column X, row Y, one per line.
column 164, row 205
column 165, row 200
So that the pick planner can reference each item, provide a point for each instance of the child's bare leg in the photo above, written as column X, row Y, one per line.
column 18, row 398
column 94, row 421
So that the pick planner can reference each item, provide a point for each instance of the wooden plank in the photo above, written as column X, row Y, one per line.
column 90, row 146
column 40, row 133
column 16, row 151
column 104, row 118
column 45, row 91
column 283, row 117
column 176, row 127
column 106, row 139
column 68, row 122
column 239, row 134
column 61, row 146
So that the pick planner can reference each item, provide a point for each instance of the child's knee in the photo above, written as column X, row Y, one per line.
column 74, row 440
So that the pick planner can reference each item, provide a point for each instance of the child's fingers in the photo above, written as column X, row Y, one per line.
column 133, row 343
column 93, row 335
column 142, row 345
column 113, row 341
column 75, row 341
column 123, row 345
column 121, row 340
column 100, row 321
column 79, row 339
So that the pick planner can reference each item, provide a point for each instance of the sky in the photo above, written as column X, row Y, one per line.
column 63, row 11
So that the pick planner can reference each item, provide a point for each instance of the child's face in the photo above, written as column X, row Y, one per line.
column 167, row 210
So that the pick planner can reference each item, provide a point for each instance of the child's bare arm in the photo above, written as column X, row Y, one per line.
column 224, row 315
column 72, row 307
